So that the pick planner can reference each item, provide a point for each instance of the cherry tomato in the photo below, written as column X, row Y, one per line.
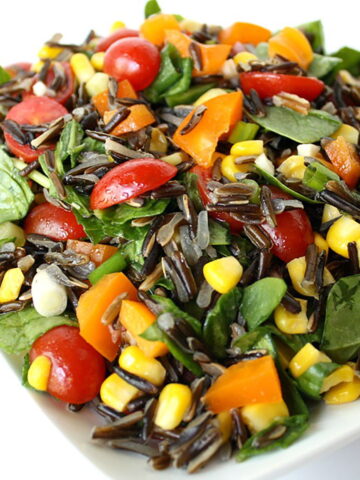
column 293, row 232
column 19, row 67
column 53, row 222
column 67, row 89
column 34, row 111
column 104, row 43
column 129, row 180
column 133, row 59
column 269, row 84
column 77, row 369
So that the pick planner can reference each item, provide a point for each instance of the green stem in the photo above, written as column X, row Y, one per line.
column 34, row 175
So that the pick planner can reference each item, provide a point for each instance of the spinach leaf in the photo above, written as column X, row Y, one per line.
column 93, row 227
column 4, row 76
column 188, row 96
column 92, row 145
column 132, row 249
column 24, row 371
column 262, row 51
column 19, row 330
column 316, row 32
column 151, row 8
column 341, row 337
column 190, row 181
column 350, row 60
column 219, row 233
column 301, row 128
column 322, row 65
column 291, row 394
column 216, row 330
column 260, row 299
column 69, row 145
column 311, row 381
column 295, row 427
column 247, row 341
column 115, row 216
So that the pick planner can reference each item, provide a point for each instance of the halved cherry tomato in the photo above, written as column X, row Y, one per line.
column 269, row 84
column 129, row 180
column 67, row 89
column 77, row 369
column 53, row 222
column 106, row 42
column 34, row 111
column 133, row 59
column 19, row 67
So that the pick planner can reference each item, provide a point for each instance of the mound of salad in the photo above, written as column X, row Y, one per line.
column 180, row 232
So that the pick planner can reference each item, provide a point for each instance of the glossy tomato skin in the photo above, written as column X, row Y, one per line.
column 34, row 111
column 269, row 84
column 65, row 92
column 133, row 59
column 19, row 67
column 293, row 233
column 129, row 180
column 53, row 222
column 77, row 369
column 106, row 42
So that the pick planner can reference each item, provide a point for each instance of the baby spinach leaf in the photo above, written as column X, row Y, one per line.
column 190, row 181
column 123, row 213
column 25, row 371
column 219, row 233
column 4, row 76
column 92, row 145
column 315, row 30
column 291, row 394
column 151, row 8
column 311, row 381
column 350, row 60
column 216, row 330
column 322, row 65
column 301, row 128
column 248, row 340
column 260, row 299
column 69, row 145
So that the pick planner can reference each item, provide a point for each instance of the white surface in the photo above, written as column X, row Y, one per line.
column 30, row 444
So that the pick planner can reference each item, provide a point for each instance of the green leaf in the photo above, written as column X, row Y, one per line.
column 317, row 175
column 300, row 128
column 190, row 182
column 260, row 299
column 311, row 381
column 219, row 233
column 4, row 76
column 93, row 227
column 262, row 51
column 316, row 31
column 19, row 330
column 68, row 145
column 123, row 213
column 350, row 60
column 216, row 330
column 341, row 336
column 291, row 394
column 322, row 65
column 151, row 8
column 92, row 145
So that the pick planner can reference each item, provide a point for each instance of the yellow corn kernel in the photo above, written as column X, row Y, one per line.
column 190, row 26
column 39, row 372
column 12, row 231
column 97, row 84
column 134, row 360
column 223, row 274
column 244, row 58
column 174, row 401
column 37, row 66
column 296, row 269
column 175, row 158
column 341, row 232
column 293, row 167
column 306, row 358
column 350, row 133
column 47, row 52
column 116, row 393
column 116, row 25
column 229, row 168
column 225, row 425
column 11, row 285
column 292, row 323
column 342, row 374
column 82, row 67
column 97, row 61
column 261, row 415
column 329, row 213
column 212, row 93
column 158, row 142
column 343, row 393
column 321, row 243
column 247, row 147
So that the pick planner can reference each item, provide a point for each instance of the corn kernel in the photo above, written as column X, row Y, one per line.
column 292, row 323
column 12, row 231
column 293, row 167
column 306, row 358
column 97, row 84
column 223, row 274
column 321, row 243
column 296, row 269
column 39, row 372
column 190, row 26
column 116, row 26
column 97, row 61
column 175, row 158
column 261, row 415
column 116, row 393
column 341, row 232
column 247, row 147
column 174, row 401
column 229, row 168
column 342, row 374
column 158, row 142
column 329, row 213
column 308, row 150
column 225, row 425
column 212, row 93
column 244, row 58
column 82, row 67
column 47, row 52
column 134, row 360
column 343, row 393
column 37, row 66
column 11, row 285
column 350, row 133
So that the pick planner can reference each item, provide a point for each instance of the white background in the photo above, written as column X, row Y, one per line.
column 30, row 446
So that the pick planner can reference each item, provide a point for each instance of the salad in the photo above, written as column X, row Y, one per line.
column 180, row 233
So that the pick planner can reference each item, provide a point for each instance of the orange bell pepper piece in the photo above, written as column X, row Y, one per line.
column 97, row 253
column 244, row 33
column 136, row 318
column 345, row 160
column 221, row 114
column 292, row 44
column 93, row 304
column 140, row 117
column 101, row 100
column 245, row 383
column 212, row 56
column 153, row 29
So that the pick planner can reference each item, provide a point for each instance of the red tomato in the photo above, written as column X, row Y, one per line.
column 65, row 92
column 16, row 68
column 269, row 84
column 133, row 59
column 293, row 232
column 129, row 180
column 53, row 222
column 105, row 42
column 77, row 369
column 34, row 111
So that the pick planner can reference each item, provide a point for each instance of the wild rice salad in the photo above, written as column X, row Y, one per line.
column 179, row 232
